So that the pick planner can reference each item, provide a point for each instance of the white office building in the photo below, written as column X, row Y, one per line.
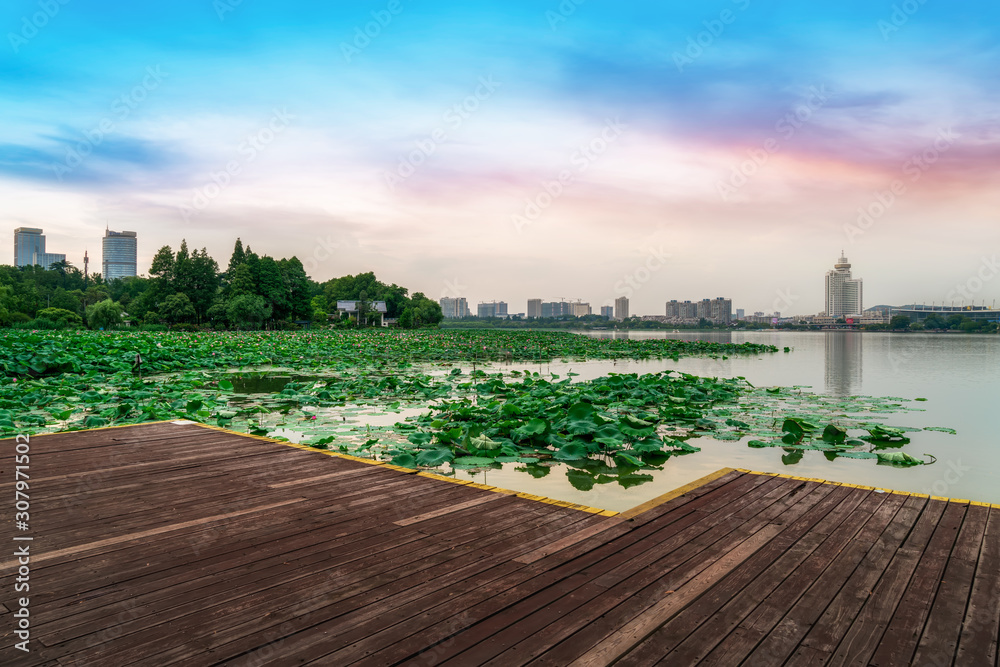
column 844, row 295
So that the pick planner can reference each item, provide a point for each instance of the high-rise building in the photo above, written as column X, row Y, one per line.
column 718, row 310
column 119, row 257
column 492, row 309
column 608, row 312
column 29, row 249
column 556, row 308
column 621, row 308
column 721, row 311
column 580, row 309
column 843, row 293
column 534, row 307
column 740, row 313
column 454, row 308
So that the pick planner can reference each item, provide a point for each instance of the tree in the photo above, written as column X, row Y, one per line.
column 217, row 312
column 7, row 304
column 934, row 321
column 237, row 257
column 271, row 286
column 104, row 314
column 65, row 300
column 242, row 282
column 247, row 311
column 362, row 308
column 162, row 267
column 298, row 286
column 161, row 274
column 60, row 316
column 406, row 318
column 425, row 311
column 899, row 322
column 177, row 308
column 201, row 281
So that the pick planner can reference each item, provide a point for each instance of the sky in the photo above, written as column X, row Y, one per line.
column 511, row 150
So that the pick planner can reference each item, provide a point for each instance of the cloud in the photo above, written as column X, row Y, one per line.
column 92, row 159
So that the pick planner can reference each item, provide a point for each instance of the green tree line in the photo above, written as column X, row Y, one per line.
column 187, row 288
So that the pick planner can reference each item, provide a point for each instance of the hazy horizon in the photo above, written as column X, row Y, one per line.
column 510, row 151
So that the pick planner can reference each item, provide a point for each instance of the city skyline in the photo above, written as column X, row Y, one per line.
column 599, row 150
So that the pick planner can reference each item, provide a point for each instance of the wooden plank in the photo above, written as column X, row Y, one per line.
column 214, row 564
column 632, row 633
column 367, row 570
column 340, row 630
column 767, row 612
column 721, row 477
column 81, row 548
column 568, row 541
column 900, row 639
column 558, row 621
column 681, row 547
column 864, row 635
column 448, row 510
column 319, row 478
column 724, row 609
column 825, row 633
column 445, row 592
column 978, row 641
column 939, row 641
column 798, row 519
column 792, row 628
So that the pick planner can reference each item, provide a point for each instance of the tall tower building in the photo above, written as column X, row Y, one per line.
column 621, row 308
column 120, row 253
column 534, row 307
column 454, row 308
column 843, row 293
column 491, row 309
column 29, row 249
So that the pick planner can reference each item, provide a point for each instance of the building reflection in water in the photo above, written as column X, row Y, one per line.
column 843, row 362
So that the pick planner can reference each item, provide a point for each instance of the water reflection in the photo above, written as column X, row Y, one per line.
column 718, row 336
column 843, row 362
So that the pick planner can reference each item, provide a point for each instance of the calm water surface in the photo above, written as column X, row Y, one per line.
column 958, row 374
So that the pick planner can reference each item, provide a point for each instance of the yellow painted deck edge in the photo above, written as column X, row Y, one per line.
column 670, row 495
column 88, row 430
column 508, row 492
column 961, row 501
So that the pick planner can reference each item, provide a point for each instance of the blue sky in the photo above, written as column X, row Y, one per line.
column 430, row 151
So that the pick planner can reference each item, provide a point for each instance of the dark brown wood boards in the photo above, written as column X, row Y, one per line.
column 166, row 543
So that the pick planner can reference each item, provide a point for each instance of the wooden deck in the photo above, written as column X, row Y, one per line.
column 173, row 543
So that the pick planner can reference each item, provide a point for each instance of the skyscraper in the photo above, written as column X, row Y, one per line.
column 491, row 309
column 556, row 308
column 29, row 249
column 120, row 253
column 621, row 308
column 843, row 293
column 454, row 308
column 534, row 307
column 608, row 312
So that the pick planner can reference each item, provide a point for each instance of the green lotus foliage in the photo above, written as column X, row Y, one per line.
column 460, row 409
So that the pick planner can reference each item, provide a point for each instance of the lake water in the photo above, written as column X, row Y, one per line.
column 958, row 374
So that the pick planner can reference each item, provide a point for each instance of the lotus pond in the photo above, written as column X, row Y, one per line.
column 509, row 408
